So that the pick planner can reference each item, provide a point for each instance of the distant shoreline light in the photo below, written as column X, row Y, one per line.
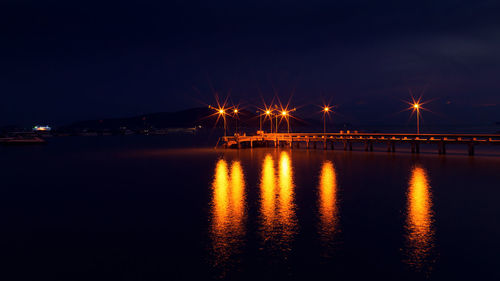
column 41, row 128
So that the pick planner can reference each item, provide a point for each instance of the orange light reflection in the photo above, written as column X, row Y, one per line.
column 278, row 219
column 228, row 212
column 328, row 202
column 419, row 223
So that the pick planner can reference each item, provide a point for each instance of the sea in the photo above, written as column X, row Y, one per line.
column 176, row 208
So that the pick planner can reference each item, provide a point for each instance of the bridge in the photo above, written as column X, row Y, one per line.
column 347, row 139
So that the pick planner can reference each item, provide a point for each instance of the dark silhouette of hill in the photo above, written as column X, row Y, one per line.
column 189, row 118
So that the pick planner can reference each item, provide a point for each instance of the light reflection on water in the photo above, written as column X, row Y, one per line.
column 277, row 218
column 327, row 203
column 277, row 207
column 419, row 222
column 228, row 212
column 268, row 196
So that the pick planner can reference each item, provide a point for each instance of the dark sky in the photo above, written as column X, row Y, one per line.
column 62, row 61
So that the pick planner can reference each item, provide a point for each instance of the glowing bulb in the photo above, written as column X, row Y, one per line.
column 284, row 113
column 221, row 111
column 326, row 109
column 268, row 112
column 236, row 111
column 416, row 106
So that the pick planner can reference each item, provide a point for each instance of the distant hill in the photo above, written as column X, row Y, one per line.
column 189, row 118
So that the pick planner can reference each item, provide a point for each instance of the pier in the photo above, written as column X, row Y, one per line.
column 346, row 140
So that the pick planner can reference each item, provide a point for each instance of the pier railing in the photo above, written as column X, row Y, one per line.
column 347, row 139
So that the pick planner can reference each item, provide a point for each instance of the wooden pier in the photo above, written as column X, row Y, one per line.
column 346, row 140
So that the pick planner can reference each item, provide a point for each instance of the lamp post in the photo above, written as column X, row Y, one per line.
column 326, row 110
column 416, row 107
column 260, row 121
column 235, row 111
column 223, row 113
column 284, row 113
column 268, row 114
column 276, row 123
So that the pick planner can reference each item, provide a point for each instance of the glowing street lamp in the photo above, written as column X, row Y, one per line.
column 222, row 112
column 284, row 113
column 268, row 114
column 235, row 111
column 326, row 110
column 416, row 106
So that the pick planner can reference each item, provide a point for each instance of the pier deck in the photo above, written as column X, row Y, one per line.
column 346, row 140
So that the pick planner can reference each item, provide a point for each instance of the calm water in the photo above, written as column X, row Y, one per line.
column 136, row 208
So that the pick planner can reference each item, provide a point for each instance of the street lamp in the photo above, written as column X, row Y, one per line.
column 268, row 114
column 284, row 113
column 326, row 110
column 416, row 107
column 235, row 111
column 222, row 112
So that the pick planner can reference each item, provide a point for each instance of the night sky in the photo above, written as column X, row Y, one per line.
column 63, row 61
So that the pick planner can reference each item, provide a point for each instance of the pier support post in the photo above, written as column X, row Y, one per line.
column 417, row 148
column 332, row 146
column 324, row 144
column 471, row 149
column 314, row 145
column 251, row 143
column 307, row 143
column 371, row 146
column 345, row 145
column 297, row 143
column 366, row 145
column 393, row 147
column 441, row 148
column 413, row 147
column 388, row 146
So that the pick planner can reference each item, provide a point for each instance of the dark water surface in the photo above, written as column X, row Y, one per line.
column 135, row 208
